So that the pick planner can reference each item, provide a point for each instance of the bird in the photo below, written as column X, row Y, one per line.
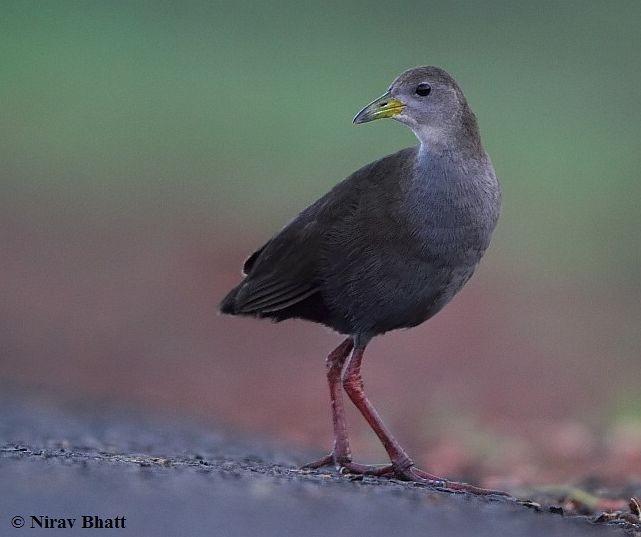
column 386, row 248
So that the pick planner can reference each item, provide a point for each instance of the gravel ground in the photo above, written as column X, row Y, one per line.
column 175, row 479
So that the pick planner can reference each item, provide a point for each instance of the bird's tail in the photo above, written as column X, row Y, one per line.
column 228, row 304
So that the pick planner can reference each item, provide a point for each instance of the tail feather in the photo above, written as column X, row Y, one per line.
column 228, row 304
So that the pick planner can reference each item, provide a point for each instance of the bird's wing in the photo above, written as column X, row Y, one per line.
column 282, row 272
column 292, row 265
column 249, row 262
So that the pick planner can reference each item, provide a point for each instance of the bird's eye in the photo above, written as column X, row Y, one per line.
column 423, row 89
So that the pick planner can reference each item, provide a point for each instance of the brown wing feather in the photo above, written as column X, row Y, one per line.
column 280, row 274
column 281, row 296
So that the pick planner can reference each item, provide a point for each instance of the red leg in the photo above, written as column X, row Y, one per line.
column 353, row 384
column 402, row 466
column 341, row 453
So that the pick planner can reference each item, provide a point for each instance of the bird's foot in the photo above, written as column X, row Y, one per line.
column 416, row 475
column 404, row 473
column 380, row 470
column 346, row 466
column 412, row 473
column 327, row 460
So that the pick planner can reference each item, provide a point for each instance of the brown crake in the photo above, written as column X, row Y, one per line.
column 386, row 248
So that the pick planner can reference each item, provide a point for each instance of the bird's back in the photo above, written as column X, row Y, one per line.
column 301, row 256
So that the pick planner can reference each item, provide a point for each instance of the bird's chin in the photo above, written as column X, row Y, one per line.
column 406, row 120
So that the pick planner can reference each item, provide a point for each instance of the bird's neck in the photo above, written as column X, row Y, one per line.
column 460, row 134
column 453, row 172
column 437, row 169
column 452, row 160
column 434, row 142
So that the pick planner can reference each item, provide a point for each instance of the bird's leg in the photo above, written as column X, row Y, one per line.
column 341, row 453
column 402, row 466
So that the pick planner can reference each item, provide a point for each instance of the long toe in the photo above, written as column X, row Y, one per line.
column 420, row 476
column 327, row 460
column 349, row 467
column 381, row 470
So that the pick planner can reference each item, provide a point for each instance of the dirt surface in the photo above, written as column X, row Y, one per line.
column 171, row 478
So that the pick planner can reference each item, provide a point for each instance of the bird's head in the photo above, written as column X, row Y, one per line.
column 426, row 99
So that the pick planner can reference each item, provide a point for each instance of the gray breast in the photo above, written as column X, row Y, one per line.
column 421, row 252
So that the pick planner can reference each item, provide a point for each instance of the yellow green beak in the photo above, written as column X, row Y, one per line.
column 384, row 106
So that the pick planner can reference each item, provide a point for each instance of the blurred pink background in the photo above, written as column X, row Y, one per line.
column 148, row 148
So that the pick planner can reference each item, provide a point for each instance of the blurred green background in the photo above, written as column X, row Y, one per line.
column 148, row 147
